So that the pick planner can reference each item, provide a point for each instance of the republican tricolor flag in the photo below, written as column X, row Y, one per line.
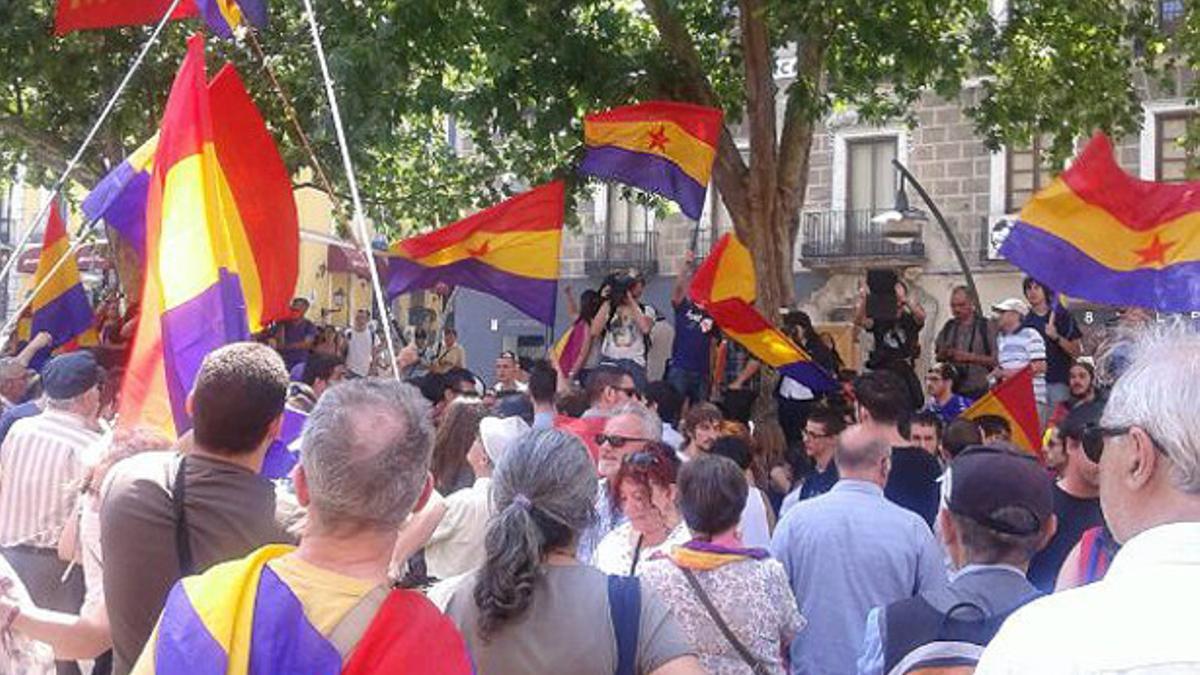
column 664, row 147
column 724, row 286
column 221, row 16
column 221, row 241
column 1013, row 400
column 61, row 308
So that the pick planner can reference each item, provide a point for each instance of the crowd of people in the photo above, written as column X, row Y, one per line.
column 599, row 512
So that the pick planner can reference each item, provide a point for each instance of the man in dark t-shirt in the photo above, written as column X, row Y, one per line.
column 897, row 342
column 1076, row 497
column 294, row 337
column 1062, row 336
column 691, row 351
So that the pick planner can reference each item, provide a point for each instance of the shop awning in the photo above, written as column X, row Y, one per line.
column 90, row 257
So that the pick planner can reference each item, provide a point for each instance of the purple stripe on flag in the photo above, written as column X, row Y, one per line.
column 101, row 196
column 282, row 638
column 210, row 10
column 215, row 317
column 127, row 213
column 535, row 297
column 810, row 375
column 255, row 11
column 652, row 173
column 1065, row 268
column 280, row 458
column 64, row 317
column 184, row 646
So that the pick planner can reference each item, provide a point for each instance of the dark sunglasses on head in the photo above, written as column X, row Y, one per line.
column 1094, row 435
column 643, row 459
column 618, row 441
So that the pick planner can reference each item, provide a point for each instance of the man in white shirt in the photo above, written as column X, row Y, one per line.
column 1141, row 616
column 1019, row 346
column 361, row 340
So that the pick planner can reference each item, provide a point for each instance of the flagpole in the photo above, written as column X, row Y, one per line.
column 86, row 233
column 360, row 222
column 91, row 135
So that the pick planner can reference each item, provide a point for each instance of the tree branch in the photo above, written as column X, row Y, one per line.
column 760, row 108
column 729, row 170
column 798, row 125
column 50, row 149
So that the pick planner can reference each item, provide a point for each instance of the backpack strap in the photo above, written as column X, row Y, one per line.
column 756, row 666
column 347, row 633
column 183, row 543
column 625, row 612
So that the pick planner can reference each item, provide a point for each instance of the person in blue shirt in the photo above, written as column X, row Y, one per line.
column 690, row 366
column 943, row 402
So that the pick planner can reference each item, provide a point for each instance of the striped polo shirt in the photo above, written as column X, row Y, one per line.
column 42, row 461
column 1019, row 350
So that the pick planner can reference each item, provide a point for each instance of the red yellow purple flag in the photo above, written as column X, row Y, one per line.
column 724, row 286
column 221, row 16
column 208, row 274
column 510, row 250
column 1013, row 399
column 665, row 147
column 61, row 308
column 1099, row 234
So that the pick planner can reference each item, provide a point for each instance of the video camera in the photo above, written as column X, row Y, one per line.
column 618, row 285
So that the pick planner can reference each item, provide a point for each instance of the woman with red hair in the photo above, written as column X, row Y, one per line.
column 644, row 490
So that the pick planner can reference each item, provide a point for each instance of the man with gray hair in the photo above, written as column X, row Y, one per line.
column 326, row 605
column 629, row 427
column 1141, row 616
column 851, row 550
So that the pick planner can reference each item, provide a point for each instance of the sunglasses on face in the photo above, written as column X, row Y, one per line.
column 1094, row 436
column 618, row 441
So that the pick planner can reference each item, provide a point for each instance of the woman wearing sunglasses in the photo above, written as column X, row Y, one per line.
column 644, row 491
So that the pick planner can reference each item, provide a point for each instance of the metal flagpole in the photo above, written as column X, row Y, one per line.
column 91, row 135
column 360, row 222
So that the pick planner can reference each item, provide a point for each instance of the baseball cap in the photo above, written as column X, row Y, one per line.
column 69, row 375
column 498, row 434
column 1011, row 305
column 1000, row 489
column 1080, row 418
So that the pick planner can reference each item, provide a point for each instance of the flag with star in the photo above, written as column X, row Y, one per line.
column 1098, row 234
column 664, row 147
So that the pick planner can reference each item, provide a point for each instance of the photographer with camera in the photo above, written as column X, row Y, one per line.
column 623, row 325
column 895, row 321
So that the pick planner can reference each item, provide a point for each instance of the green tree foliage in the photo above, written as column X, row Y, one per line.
column 513, row 78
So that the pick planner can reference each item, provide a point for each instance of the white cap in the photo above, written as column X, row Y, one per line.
column 498, row 435
column 1011, row 305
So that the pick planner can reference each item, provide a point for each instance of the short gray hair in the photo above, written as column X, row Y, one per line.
column 1159, row 391
column 651, row 422
column 365, row 452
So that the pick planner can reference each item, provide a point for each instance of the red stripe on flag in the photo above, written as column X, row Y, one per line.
column 73, row 15
column 187, row 124
column 538, row 209
column 699, row 121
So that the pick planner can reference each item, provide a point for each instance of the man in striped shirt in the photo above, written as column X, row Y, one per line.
column 1020, row 346
column 42, row 460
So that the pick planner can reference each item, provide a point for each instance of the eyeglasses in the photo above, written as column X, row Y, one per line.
column 618, row 441
column 1093, row 437
column 642, row 459
column 631, row 392
column 813, row 434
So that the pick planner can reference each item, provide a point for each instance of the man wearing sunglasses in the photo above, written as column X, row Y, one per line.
column 1076, row 496
column 628, row 429
column 1141, row 617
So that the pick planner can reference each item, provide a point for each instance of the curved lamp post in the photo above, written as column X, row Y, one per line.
column 903, row 224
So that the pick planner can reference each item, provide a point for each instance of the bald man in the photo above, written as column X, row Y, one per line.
column 849, row 551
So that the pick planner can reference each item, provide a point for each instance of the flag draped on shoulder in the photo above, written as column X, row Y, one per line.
column 243, row 617
column 61, row 308
column 664, row 147
column 510, row 250
column 221, row 16
column 120, row 197
column 211, row 275
column 724, row 286
column 1099, row 234
column 1013, row 399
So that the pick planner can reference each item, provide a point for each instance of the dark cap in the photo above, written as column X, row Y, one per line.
column 70, row 375
column 1005, row 491
column 1080, row 418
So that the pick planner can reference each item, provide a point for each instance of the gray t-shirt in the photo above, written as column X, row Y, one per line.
column 567, row 628
column 230, row 512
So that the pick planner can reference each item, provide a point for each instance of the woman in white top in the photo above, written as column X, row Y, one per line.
column 645, row 492
column 757, row 520
column 85, row 635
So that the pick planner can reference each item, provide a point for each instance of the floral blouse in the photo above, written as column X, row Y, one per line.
column 752, row 596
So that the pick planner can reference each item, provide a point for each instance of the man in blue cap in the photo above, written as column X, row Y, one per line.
column 39, row 457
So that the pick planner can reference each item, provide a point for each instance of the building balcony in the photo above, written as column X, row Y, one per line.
column 608, row 252
column 849, row 238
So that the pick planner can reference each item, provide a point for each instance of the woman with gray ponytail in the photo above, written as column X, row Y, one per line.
column 533, row 607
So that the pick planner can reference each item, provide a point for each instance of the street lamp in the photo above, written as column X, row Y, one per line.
column 903, row 224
